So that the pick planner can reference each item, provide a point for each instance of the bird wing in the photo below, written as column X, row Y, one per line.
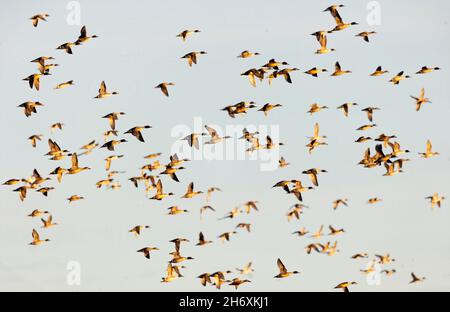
column 139, row 136
column 345, row 110
column 212, row 132
column 164, row 90
column 281, row 266
column 251, row 77
column 193, row 58
column 83, row 32
column 287, row 77
column 314, row 179
column 190, row 60
column 35, row 235
column 429, row 146
column 337, row 17
column 316, row 130
column 36, row 81
column 169, row 270
column 337, row 66
column 36, row 174
column 108, row 166
column 41, row 68
column 322, row 38
column 159, row 187
column 74, row 161
column 190, row 187
column 195, row 143
column 102, row 89
column 112, row 122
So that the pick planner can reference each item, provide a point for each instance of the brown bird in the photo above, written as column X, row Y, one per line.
column 345, row 107
column 34, row 80
column 247, row 54
column 236, row 282
column 204, row 208
column 283, row 271
column 75, row 168
column 39, row 17
column 312, row 173
column 22, row 192
column 146, row 251
column 369, row 111
column 344, row 286
column 226, row 236
column 36, row 238
column 163, row 87
column 205, row 278
column 49, row 222
column 44, row 190
column 74, row 198
column 338, row 71
column 250, row 205
column 192, row 57
column 416, row 279
column 110, row 159
column 314, row 108
column 360, row 255
column 136, row 131
column 246, row 226
column 365, row 35
column 110, row 145
column 137, row 229
column 112, row 117
column 185, row 33
column 56, row 126
column 340, row 201
column 34, row 138
column 426, row 70
column 421, row 99
column 59, row 172
column 83, row 36
column 201, row 240
column 30, row 107
column 66, row 47
column 103, row 93
column 378, row 72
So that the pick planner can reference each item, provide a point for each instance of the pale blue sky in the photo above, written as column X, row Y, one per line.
column 135, row 51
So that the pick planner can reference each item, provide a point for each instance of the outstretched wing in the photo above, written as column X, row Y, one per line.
column 190, row 187
column 102, row 89
column 212, row 132
column 83, row 32
column 74, row 161
column 429, row 146
column 281, row 266
column 337, row 66
column 159, row 187
column 35, row 235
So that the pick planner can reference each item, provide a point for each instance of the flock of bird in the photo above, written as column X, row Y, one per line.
column 386, row 152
